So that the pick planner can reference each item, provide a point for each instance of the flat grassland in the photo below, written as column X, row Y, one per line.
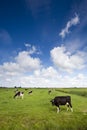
column 35, row 111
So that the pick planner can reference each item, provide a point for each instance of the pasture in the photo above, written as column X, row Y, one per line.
column 35, row 111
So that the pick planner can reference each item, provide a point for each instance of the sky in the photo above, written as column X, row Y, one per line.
column 43, row 43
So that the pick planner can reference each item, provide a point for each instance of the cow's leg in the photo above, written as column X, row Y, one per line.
column 67, row 106
column 58, row 109
column 71, row 106
column 71, row 109
column 22, row 96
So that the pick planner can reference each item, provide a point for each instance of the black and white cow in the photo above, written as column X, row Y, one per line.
column 62, row 100
column 19, row 94
column 30, row 92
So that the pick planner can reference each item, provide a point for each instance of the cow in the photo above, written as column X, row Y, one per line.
column 62, row 100
column 19, row 94
column 49, row 92
column 30, row 92
column 26, row 89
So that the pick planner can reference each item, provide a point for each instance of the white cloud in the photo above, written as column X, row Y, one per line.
column 32, row 49
column 27, row 71
column 10, row 67
column 23, row 63
column 74, row 21
column 75, row 44
column 44, row 77
column 48, row 73
column 66, row 61
column 27, row 45
column 47, row 77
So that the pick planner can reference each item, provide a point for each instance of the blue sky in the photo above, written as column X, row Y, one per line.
column 43, row 43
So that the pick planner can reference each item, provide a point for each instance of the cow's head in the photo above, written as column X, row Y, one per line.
column 52, row 101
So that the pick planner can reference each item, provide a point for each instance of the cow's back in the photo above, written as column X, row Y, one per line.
column 62, row 100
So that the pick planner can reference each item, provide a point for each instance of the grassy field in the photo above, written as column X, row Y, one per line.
column 35, row 111
column 76, row 91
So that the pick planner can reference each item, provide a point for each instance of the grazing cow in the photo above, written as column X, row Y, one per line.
column 30, row 92
column 49, row 92
column 19, row 94
column 62, row 100
column 26, row 89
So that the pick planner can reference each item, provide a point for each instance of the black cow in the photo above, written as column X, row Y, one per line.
column 62, row 100
column 49, row 92
column 26, row 89
column 30, row 92
column 19, row 94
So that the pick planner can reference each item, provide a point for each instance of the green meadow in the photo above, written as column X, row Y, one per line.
column 35, row 111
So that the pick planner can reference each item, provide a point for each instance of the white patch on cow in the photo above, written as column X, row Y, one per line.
column 67, row 103
column 67, row 106
column 21, row 95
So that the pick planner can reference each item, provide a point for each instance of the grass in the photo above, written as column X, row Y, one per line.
column 76, row 91
column 35, row 111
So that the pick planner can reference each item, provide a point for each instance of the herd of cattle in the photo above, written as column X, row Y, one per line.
column 57, row 101
column 20, row 94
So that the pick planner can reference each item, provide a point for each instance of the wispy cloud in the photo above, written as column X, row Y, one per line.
column 74, row 21
column 32, row 49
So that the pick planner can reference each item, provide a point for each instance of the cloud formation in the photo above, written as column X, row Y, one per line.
column 23, row 63
column 27, row 71
column 32, row 49
column 66, row 60
column 74, row 21
column 45, row 77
